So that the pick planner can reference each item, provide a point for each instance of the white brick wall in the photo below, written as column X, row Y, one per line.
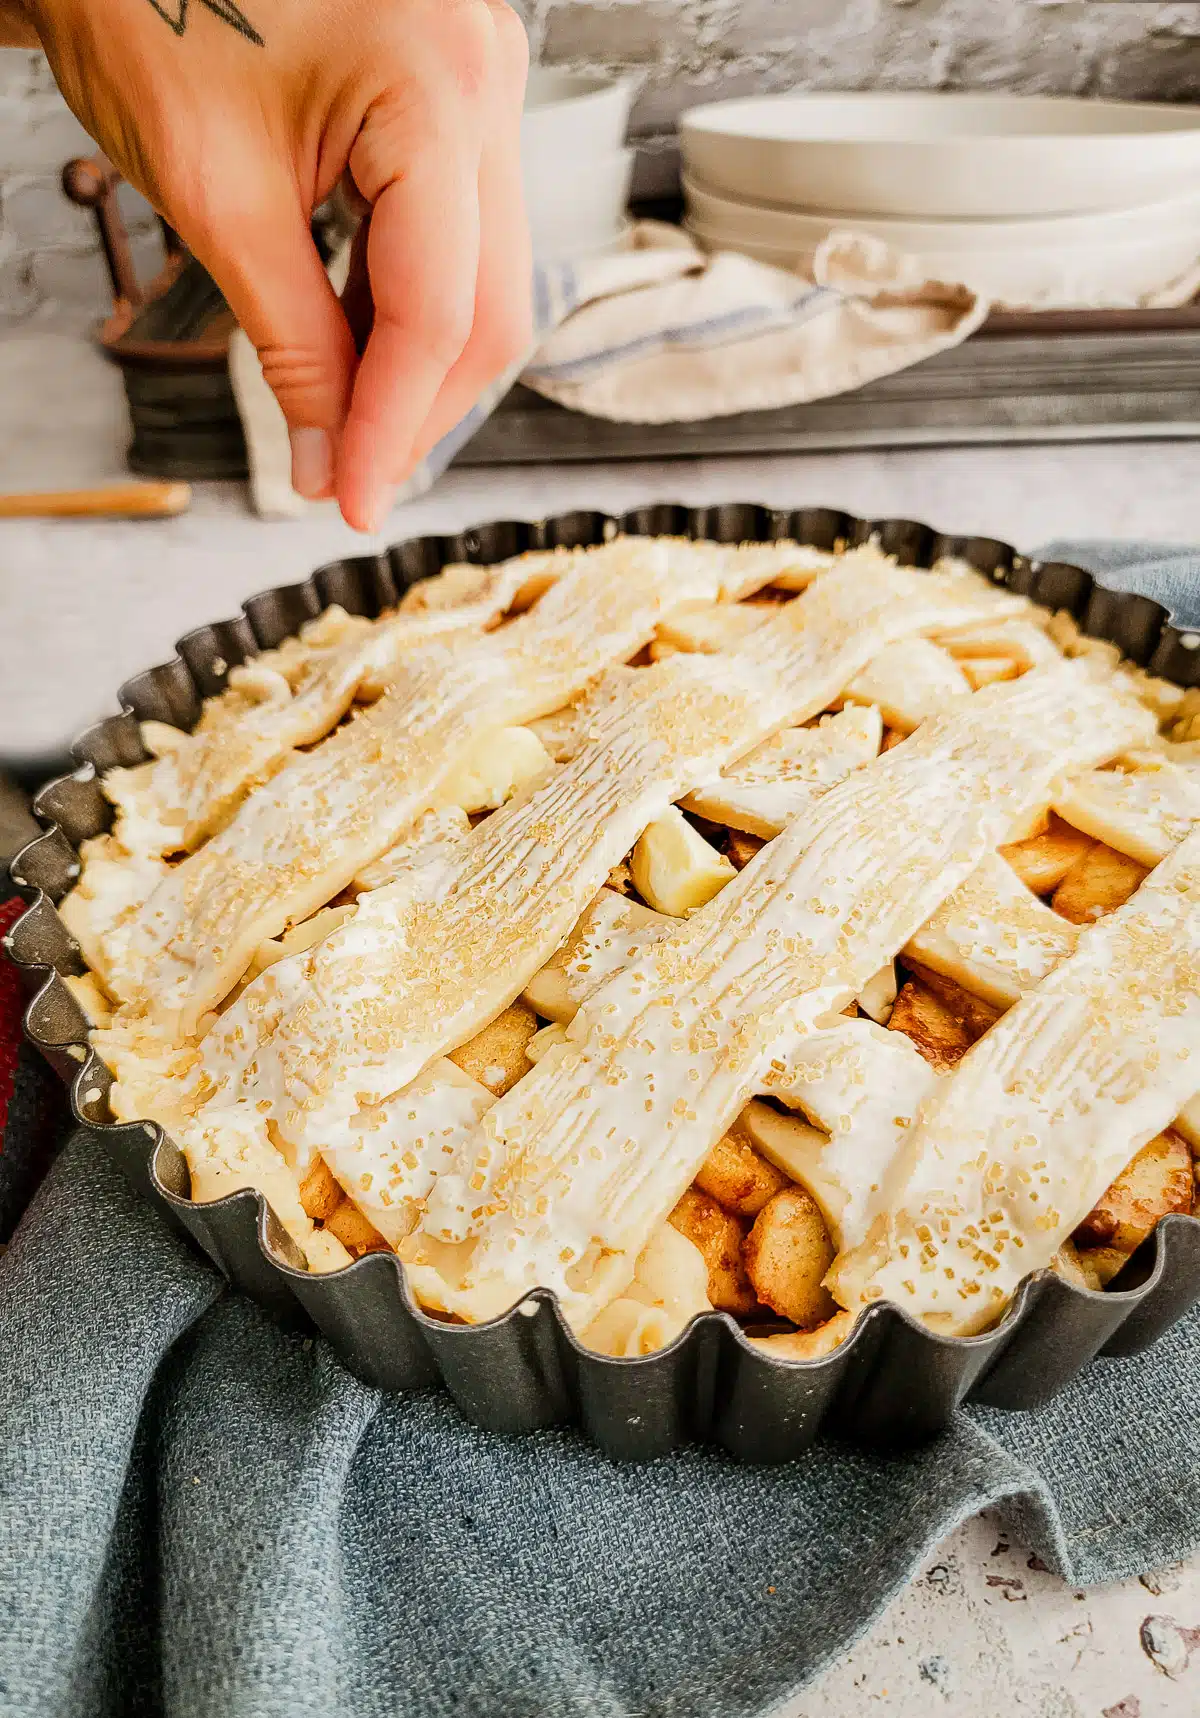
column 50, row 266
column 684, row 51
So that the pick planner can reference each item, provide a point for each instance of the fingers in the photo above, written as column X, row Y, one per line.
column 501, row 332
column 273, row 279
column 447, row 258
column 422, row 256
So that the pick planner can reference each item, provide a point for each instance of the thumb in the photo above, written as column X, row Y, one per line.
column 271, row 274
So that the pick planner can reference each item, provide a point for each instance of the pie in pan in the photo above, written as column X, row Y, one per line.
column 672, row 926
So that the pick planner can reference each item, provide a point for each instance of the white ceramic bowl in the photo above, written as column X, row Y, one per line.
column 572, row 213
column 940, row 154
column 575, row 251
column 788, row 228
column 569, row 117
column 1113, row 275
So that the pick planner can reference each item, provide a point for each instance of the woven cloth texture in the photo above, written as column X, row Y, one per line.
column 202, row 1513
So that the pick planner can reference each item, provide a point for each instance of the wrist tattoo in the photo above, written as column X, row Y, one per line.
column 175, row 13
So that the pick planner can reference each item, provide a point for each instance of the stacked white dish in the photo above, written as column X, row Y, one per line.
column 575, row 165
column 1033, row 200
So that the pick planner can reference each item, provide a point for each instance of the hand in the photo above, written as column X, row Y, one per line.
column 237, row 119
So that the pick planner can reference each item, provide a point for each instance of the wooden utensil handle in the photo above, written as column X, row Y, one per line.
column 109, row 501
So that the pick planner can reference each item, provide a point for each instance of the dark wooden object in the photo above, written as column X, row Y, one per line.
column 93, row 183
column 1014, row 381
column 169, row 337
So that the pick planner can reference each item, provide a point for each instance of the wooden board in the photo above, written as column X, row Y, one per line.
column 1056, row 377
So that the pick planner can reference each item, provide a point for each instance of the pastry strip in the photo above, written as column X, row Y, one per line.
column 292, row 696
column 194, row 788
column 1143, row 813
column 302, row 836
column 426, row 962
column 994, row 936
column 575, row 1166
column 785, row 776
column 864, row 1088
column 1043, row 1113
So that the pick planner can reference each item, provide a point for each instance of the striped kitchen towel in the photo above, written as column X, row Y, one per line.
column 658, row 332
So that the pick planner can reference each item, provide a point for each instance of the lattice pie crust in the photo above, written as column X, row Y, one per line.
column 672, row 926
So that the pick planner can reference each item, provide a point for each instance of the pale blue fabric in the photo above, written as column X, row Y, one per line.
column 204, row 1516
column 1170, row 573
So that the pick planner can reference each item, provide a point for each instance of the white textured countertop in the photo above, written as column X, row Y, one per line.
column 983, row 1633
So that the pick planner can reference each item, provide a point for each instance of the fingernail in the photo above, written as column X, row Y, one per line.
column 383, row 507
column 312, row 463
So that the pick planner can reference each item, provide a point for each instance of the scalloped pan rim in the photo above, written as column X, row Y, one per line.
column 891, row 1381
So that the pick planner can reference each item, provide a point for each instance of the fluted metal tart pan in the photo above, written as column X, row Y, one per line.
column 892, row 1381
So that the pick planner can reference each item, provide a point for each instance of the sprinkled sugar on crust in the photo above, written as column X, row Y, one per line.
column 326, row 812
column 576, row 1165
column 877, row 749
column 1044, row 1113
column 427, row 962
